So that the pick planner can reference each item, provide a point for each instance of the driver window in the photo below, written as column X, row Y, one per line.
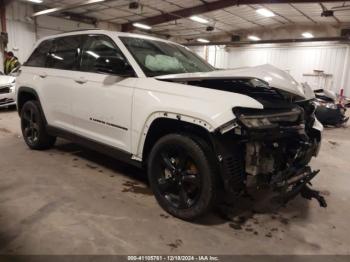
column 96, row 49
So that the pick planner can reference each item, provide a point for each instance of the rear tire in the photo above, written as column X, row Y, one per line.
column 182, row 176
column 34, row 128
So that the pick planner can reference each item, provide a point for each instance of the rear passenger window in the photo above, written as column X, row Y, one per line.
column 39, row 56
column 65, row 52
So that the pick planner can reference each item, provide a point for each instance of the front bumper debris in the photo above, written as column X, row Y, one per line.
column 309, row 194
column 272, row 146
column 298, row 184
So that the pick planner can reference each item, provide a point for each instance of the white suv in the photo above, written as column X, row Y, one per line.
column 200, row 132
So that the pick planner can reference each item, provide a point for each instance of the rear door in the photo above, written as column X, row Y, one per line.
column 62, row 65
column 35, row 75
column 102, row 102
column 53, row 66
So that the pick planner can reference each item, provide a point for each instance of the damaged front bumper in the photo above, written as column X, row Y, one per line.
column 272, row 146
column 299, row 184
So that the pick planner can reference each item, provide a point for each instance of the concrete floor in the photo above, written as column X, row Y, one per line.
column 69, row 200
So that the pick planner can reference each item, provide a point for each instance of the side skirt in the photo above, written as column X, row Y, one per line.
column 94, row 145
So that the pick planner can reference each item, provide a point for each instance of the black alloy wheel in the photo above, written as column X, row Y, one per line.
column 182, row 176
column 179, row 180
column 34, row 128
column 30, row 125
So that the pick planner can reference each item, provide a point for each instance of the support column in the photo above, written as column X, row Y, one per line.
column 345, row 83
column 4, row 37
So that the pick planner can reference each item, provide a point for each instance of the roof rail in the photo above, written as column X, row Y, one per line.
column 80, row 30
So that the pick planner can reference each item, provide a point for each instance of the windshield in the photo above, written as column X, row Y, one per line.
column 161, row 58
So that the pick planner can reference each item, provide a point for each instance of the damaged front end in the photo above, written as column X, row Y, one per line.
column 274, row 146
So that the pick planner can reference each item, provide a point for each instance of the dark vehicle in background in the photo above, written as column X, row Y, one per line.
column 330, row 110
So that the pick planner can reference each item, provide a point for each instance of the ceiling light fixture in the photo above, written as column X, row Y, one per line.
column 265, row 12
column 47, row 11
column 254, row 38
column 202, row 40
column 307, row 35
column 142, row 26
column 35, row 1
column 199, row 19
column 66, row 7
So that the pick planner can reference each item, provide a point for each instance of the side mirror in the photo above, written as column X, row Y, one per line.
column 114, row 66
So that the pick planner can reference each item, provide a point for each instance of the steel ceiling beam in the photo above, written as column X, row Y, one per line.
column 68, row 15
column 275, row 41
column 208, row 7
column 304, row 14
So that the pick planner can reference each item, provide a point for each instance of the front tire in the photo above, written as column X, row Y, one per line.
column 34, row 128
column 182, row 176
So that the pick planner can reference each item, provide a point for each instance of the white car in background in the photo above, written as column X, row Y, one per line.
column 7, row 91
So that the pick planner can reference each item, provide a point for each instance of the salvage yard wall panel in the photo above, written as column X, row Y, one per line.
column 23, row 34
column 21, row 30
column 21, row 39
column 297, row 59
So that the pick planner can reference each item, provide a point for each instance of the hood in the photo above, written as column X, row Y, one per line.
column 274, row 76
column 6, row 80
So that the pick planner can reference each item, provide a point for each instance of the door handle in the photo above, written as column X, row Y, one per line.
column 43, row 75
column 81, row 80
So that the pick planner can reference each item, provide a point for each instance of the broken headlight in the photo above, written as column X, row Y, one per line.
column 253, row 122
column 260, row 118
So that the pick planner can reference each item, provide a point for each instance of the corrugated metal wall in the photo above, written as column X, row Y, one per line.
column 23, row 34
column 297, row 59
column 21, row 30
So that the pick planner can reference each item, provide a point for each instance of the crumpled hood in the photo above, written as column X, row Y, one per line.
column 6, row 80
column 276, row 77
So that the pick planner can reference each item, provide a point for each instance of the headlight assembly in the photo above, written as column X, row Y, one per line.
column 260, row 118
column 253, row 122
